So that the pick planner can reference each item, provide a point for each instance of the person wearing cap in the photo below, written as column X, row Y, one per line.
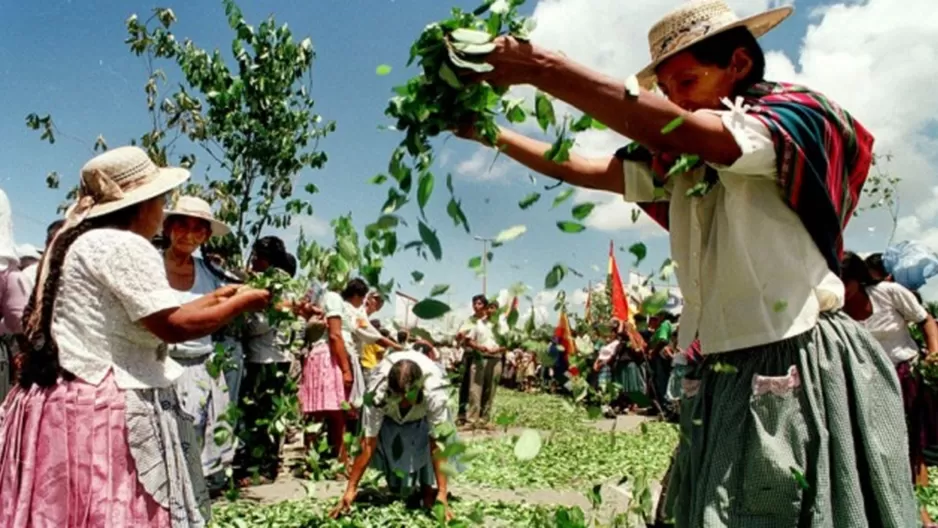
column 202, row 389
column 756, row 181
column 93, row 435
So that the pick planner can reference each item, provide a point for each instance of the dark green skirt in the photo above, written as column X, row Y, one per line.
column 806, row 432
column 630, row 376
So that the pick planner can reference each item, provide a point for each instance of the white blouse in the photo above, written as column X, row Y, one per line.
column 748, row 269
column 894, row 308
column 433, row 406
column 111, row 279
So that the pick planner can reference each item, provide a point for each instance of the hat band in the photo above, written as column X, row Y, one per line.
column 686, row 35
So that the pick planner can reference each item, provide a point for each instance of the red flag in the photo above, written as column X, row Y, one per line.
column 620, row 305
column 564, row 336
column 514, row 305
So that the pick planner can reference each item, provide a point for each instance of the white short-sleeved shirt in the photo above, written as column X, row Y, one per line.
column 748, row 269
column 333, row 305
column 483, row 334
column 894, row 309
column 608, row 351
column 433, row 406
column 111, row 279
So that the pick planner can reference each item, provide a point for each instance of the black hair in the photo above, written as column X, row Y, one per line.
column 853, row 268
column 405, row 376
column 384, row 333
column 160, row 242
column 355, row 288
column 53, row 229
column 876, row 265
column 480, row 298
column 402, row 336
column 493, row 304
column 273, row 250
column 718, row 51
column 376, row 323
column 41, row 364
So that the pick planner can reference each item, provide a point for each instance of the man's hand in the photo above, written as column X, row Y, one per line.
column 345, row 504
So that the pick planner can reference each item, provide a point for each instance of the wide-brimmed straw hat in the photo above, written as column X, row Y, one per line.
column 120, row 178
column 696, row 20
column 195, row 207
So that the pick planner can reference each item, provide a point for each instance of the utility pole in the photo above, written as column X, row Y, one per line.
column 485, row 258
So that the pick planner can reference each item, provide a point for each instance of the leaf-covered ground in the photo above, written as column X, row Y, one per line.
column 544, row 412
column 573, row 459
column 315, row 513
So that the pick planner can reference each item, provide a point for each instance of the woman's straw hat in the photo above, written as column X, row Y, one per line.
column 195, row 207
column 695, row 21
column 120, row 178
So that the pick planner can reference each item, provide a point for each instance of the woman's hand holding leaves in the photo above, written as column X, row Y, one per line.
column 253, row 299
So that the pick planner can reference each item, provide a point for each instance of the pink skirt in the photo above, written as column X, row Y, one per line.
column 65, row 460
column 321, row 388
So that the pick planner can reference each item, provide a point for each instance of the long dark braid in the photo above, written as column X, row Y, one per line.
column 41, row 355
column 40, row 363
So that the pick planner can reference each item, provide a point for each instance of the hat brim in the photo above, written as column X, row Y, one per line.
column 167, row 179
column 758, row 25
column 219, row 229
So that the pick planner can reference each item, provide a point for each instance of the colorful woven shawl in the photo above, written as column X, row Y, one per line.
column 823, row 157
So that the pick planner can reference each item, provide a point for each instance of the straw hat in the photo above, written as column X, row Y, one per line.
column 195, row 207
column 120, row 178
column 696, row 20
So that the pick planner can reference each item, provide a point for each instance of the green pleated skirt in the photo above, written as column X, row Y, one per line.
column 630, row 376
column 808, row 432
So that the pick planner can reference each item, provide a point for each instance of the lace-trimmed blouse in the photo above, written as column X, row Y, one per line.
column 111, row 279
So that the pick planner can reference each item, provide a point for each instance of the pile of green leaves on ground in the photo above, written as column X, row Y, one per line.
column 573, row 459
column 541, row 411
column 315, row 513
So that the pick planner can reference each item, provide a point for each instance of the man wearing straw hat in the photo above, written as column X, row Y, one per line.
column 755, row 180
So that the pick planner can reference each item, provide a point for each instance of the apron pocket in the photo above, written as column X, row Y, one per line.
column 772, row 461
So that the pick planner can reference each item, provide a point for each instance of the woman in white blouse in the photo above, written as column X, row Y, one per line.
column 887, row 309
column 402, row 427
column 795, row 410
column 93, row 436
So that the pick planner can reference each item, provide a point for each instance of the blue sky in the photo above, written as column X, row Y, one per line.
column 68, row 59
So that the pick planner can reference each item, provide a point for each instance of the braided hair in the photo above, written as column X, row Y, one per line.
column 40, row 353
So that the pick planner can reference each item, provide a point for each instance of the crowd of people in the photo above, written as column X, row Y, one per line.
column 143, row 375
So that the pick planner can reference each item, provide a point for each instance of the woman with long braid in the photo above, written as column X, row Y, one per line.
column 93, row 435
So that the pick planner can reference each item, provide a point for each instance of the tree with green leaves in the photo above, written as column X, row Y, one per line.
column 255, row 123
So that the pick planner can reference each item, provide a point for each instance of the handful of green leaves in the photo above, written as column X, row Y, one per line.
column 290, row 328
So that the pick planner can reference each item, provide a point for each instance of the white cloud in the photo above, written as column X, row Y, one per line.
column 609, row 36
column 484, row 166
column 879, row 60
column 312, row 227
